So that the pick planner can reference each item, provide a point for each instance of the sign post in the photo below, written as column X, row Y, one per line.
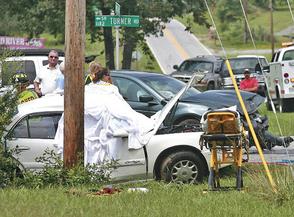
column 117, row 9
column 116, row 21
column 117, row 12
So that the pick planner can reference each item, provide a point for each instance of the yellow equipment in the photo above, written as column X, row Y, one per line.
column 225, row 137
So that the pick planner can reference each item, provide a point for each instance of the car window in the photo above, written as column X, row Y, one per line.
column 166, row 86
column 21, row 130
column 239, row 64
column 129, row 89
column 263, row 62
column 204, row 67
column 38, row 126
column 276, row 56
column 11, row 67
column 288, row 55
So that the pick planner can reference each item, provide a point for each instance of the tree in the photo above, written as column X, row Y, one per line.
column 8, row 99
column 38, row 16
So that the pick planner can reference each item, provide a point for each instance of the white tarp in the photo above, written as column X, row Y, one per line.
column 106, row 113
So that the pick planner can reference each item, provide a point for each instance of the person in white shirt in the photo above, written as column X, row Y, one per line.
column 46, row 80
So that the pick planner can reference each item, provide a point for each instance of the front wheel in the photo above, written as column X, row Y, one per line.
column 281, row 107
column 183, row 167
column 210, row 86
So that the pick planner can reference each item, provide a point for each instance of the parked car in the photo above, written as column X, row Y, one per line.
column 280, row 79
column 147, row 93
column 207, row 69
column 257, row 65
column 29, row 61
column 171, row 156
column 212, row 71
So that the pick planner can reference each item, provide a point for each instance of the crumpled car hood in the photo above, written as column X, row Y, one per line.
column 216, row 99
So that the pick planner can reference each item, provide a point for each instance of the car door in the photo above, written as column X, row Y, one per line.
column 132, row 92
column 31, row 136
column 131, row 162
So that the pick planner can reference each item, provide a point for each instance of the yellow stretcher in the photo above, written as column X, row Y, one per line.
column 226, row 138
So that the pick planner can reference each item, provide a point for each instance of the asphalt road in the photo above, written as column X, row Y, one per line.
column 174, row 46
column 277, row 155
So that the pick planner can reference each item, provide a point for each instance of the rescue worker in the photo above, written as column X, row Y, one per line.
column 249, row 83
column 21, row 81
column 93, row 67
column 101, row 78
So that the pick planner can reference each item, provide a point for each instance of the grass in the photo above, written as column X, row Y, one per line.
column 161, row 200
column 285, row 120
column 257, row 18
column 164, row 199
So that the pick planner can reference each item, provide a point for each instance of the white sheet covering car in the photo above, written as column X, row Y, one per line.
column 172, row 157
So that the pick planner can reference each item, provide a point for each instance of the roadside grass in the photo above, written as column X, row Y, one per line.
column 161, row 200
column 285, row 120
column 257, row 19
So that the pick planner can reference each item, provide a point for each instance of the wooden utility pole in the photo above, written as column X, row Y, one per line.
column 272, row 26
column 75, row 19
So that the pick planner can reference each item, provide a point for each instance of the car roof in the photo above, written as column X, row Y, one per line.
column 252, row 56
column 50, row 102
column 207, row 58
column 285, row 49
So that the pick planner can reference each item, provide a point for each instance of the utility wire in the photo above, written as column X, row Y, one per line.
column 290, row 9
column 214, row 26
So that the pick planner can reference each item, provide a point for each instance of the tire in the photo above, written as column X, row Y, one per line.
column 285, row 105
column 183, row 167
column 190, row 121
column 239, row 180
column 210, row 86
column 280, row 105
column 268, row 105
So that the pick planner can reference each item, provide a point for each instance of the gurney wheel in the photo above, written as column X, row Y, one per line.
column 239, row 181
column 211, row 180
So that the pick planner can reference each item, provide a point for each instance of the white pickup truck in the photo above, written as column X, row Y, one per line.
column 280, row 79
column 30, row 61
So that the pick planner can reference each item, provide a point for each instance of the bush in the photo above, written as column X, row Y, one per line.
column 9, row 168
column 54, row 174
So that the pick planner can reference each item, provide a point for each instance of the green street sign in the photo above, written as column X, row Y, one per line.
column 123, row 20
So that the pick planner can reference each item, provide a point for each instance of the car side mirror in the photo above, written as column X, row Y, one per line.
column 266, row 69
column 176, row 67
column 145, row 98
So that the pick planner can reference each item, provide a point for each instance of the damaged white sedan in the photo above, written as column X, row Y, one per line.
column 161, row 154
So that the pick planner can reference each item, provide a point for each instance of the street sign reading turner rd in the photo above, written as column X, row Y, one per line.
column 122, row 20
